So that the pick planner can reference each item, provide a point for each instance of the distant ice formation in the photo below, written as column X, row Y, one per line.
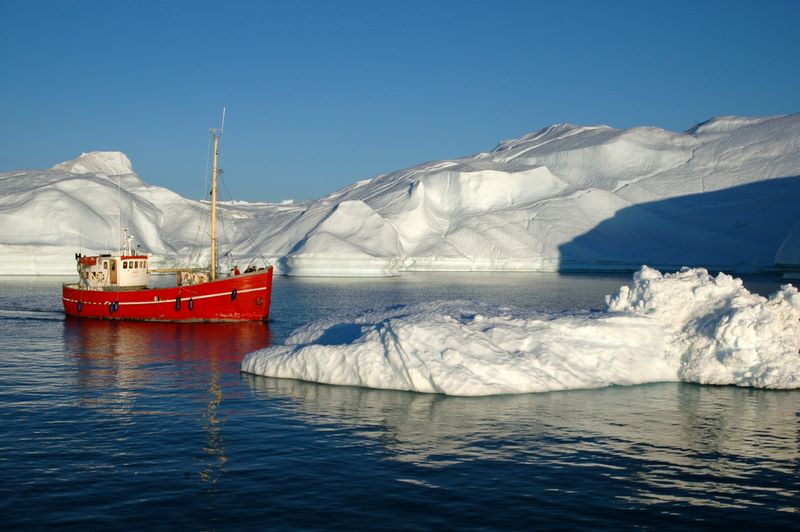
column 98, row 162
column 688, row 326
column 724, row 195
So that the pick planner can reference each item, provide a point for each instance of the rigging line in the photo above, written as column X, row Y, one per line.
column 225, row 237
column 201, row 232
column 199, row 217
column 230, row 199
column 244, row 227
column 224, row 192
column 202, row 223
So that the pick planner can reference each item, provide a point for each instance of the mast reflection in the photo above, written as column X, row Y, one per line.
column 117, row 361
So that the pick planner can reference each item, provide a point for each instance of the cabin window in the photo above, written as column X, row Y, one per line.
column 124, row 264
column 144, row 264
column 105, row 264
column 136, row 264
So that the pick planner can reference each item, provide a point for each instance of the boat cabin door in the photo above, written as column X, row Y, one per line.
column 113, row 271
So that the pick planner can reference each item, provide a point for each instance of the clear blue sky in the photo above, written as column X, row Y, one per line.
column 321, row 94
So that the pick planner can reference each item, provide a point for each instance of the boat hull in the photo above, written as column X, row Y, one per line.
column 238, row 298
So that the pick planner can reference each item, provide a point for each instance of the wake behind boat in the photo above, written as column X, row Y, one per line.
column 116, row 287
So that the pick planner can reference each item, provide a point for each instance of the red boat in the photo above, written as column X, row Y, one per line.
column 243, row 297
column 115, row 287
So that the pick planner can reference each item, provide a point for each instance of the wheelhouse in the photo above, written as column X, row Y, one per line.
column 98, row 272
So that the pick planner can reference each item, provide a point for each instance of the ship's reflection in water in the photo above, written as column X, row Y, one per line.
column 671, row 443
column 168, row 401
column 158, row 342
column 131, row 369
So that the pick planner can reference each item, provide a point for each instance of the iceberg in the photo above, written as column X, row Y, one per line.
column 724, row 195
column 688, row 326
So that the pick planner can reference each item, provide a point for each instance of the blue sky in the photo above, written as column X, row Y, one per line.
column 321, row 94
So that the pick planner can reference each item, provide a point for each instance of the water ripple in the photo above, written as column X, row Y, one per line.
column 138, row 425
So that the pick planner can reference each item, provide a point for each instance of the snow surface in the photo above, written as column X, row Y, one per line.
column 688, row 326
column 724, row 195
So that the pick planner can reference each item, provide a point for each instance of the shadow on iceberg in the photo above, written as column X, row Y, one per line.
column 736, row 229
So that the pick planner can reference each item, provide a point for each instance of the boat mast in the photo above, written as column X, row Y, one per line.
column 214, row 170
column 214, row 173
column 119, row 218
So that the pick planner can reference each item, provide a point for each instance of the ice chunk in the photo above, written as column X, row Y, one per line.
column 717, row 331
column 688, row 326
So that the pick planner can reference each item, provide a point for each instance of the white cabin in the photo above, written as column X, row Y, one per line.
column 98, row 272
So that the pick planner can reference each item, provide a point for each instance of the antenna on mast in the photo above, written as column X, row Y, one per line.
column 222, row 127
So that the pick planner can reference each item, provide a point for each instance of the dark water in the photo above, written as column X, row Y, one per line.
column 112, row 425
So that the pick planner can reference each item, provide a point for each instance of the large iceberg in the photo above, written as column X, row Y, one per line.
column 688, row 326
column 724, row 195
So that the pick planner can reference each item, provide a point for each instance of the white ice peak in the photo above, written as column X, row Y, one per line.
column 109, row 163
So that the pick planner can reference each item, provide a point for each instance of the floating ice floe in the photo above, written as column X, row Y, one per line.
column 688, row 326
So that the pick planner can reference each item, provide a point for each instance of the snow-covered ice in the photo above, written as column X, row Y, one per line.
column 724, row 195
column 688, row 326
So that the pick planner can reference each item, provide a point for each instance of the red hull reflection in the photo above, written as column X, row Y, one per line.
column 227, row 342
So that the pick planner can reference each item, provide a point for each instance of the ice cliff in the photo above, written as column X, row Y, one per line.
column 724, row 194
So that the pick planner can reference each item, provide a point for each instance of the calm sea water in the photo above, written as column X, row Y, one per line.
column 111, row 425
